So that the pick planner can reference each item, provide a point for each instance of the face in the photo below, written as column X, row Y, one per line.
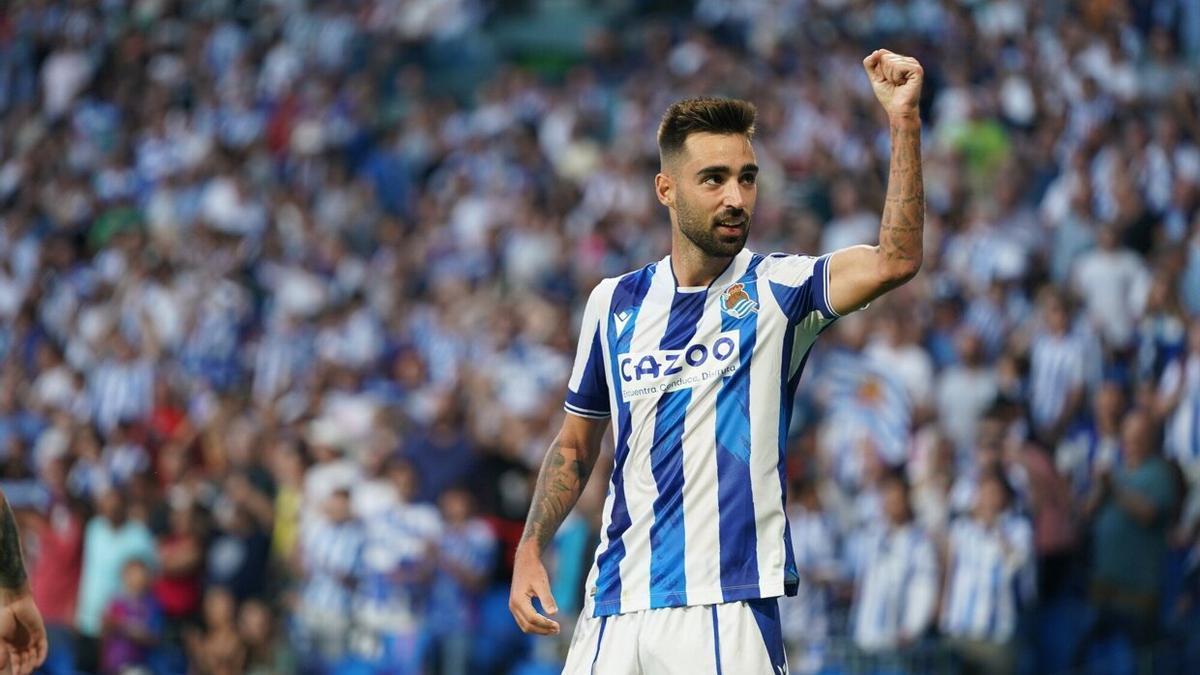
column 991, row 499
column 711, row 188
column 1056, row 316
column 895, row 502
column 111, row 506
column 456, row 506
column 338, row 507
column 136, row 578
column 1109, row 401
column 1135, row 436
column 254, row 622
column 218, row 607
column 405, row 479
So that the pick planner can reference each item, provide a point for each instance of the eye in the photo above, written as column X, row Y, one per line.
column 712, row 180
column 749, row 178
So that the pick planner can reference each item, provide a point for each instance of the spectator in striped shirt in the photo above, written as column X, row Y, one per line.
column 1093, row 446
column 398, row 562
column 1056, row 370
column 806, row 615
column 331, row 551
column 989, row 551
column 465, row 556
column 1163, row 328
column 1179, row 402
column 896, row 576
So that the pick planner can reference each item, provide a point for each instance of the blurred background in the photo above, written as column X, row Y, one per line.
column 289, row 292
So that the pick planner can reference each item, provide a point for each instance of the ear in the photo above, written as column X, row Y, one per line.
column 664, row 189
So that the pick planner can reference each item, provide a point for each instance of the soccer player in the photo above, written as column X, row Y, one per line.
column 696, row 357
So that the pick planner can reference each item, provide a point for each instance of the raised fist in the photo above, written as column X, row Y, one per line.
column 896, row 80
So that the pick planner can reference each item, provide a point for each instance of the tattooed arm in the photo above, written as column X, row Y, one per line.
column 12, row 566
column 22, row 634
column 859, row 274
column 563, row 476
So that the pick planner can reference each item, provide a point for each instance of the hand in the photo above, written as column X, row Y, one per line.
column 22, row 635
column 530, row 581
column 896, row 80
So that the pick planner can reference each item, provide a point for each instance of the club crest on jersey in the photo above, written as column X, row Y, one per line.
column 736, row 302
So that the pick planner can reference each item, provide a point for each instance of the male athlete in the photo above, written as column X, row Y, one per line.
column 696, row 358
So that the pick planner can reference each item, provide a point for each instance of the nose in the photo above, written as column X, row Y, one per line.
column 733, row 197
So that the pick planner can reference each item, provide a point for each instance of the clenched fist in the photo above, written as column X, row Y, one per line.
column 896, row 80
column 22, row 635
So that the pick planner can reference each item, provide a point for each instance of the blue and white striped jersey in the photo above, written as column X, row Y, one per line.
column 332, row 554
column 896, row 585
column 985, row 579
column 1056, row 369
column 1182, row 439
column 699, row 382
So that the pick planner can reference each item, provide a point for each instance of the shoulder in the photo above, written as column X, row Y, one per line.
column 792, row 263
column 604, row 290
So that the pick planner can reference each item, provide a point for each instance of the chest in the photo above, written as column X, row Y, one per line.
column 695, row 342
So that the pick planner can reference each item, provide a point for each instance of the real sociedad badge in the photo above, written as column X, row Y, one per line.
column 736, row 302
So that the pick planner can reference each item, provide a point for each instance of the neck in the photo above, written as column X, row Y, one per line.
column 693, row 267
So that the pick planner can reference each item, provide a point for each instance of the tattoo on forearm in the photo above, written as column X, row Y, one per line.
column 903, row 220
column 564, row 473
column 12, row 567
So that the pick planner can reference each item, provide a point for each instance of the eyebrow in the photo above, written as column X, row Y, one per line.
column 721, row 170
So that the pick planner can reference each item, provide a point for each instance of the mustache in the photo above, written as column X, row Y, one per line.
column 732, row 217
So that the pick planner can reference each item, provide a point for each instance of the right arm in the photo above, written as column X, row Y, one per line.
column 563, row 476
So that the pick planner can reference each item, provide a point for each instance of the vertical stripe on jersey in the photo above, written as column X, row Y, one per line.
column 627, row 296
column 668, row 581
column 599, row 640
column 701, row 506
column 738, row 527
column 766, row 616
column 804, row 324
column 716, row 639
column 1189, row 451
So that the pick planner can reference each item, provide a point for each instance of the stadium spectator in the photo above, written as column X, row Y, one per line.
column 216, row 647
column 266, row 654
column 989, row 551
column 819, row 563
column 1131, row 509
column 112, row 539
column 465, row 555
column 56, row 566
column 331, row 555
column 896, row 576
column 132, row 625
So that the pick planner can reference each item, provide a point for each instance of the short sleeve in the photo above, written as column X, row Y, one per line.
column 587, row 391
column 800, row 284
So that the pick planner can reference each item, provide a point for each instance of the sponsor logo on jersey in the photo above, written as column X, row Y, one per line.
column 662, row 371
column 622, row 319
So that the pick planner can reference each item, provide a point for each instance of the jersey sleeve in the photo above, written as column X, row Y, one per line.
column 587, row 391
column 800, row 284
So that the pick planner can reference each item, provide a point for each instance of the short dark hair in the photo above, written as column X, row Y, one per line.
column 703, row 114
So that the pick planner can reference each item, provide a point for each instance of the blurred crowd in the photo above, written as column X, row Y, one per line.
column 286, row 322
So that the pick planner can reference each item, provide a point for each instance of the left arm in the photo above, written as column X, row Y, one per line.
column 859, row 274
column 23, row 644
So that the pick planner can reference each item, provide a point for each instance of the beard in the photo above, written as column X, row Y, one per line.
column 701, row 230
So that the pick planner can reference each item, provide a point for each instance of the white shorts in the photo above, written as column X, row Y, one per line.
column 734, row 638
